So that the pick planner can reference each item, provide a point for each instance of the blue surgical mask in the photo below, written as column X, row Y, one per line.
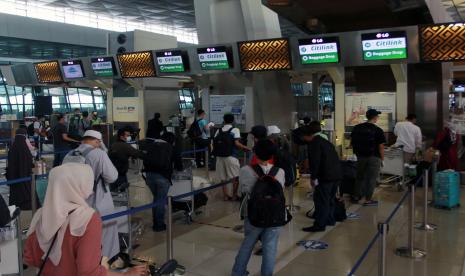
column 128, row 139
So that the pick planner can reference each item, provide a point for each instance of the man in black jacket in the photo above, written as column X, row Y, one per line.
column 325, row 173
column 155, row 127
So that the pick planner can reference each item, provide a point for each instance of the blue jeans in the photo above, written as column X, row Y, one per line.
column 60, row 154
column 159, row 185
column 269, row 238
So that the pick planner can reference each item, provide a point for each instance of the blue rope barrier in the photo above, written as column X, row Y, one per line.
column 364, row 255
column 134, row 210
column 393, row 213
column 187, row 152
column 193, row 193
column 16, row 181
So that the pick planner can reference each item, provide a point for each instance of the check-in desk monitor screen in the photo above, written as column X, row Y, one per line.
column 384, row 45
column 319, row 50
column 103, row 66
column 72, row 69
column 172, row 61
column 215, row 58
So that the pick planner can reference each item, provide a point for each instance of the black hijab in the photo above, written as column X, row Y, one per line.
column 20, row 166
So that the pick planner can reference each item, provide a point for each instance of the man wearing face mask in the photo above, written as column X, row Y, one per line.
column 119, row 154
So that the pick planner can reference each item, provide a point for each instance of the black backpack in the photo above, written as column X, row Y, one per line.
column 266, row 206
column 158, row 155
column 284, row 160
column 194, row 130
column 223, row 143
column 363, row 140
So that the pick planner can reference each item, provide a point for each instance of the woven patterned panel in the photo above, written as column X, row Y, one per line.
column 136, row 65
column 265, row 55
column 442, row 42
column 48, row 72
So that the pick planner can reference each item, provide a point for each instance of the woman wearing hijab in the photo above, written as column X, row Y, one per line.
column 66, row 232
column 20, row 166
column 447, row 143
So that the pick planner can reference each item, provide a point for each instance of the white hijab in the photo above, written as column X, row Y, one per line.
column 68, row 188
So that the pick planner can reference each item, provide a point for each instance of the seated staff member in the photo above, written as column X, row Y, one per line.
column 325, row 173
column 65, row 235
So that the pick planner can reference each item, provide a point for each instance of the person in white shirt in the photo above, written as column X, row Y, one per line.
column 409, row 136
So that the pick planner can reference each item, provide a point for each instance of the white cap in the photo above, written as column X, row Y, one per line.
column 93, row 133
column 273, row 130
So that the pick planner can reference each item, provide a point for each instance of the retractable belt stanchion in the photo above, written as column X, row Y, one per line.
column 207, row 162
column 383, row 230
column 33, row 194
column 410, row 251
column 292, row 206
column 434, row 170
column 169, row 231
column 425, row 225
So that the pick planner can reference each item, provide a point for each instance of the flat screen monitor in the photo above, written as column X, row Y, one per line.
column 172, row 61
column 319, row 50
column 215, row 58
column 384, row 45
column 72, row 69
column 103, row 66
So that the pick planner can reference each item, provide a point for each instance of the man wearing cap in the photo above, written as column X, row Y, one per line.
column 104, row 173
column 368, row 143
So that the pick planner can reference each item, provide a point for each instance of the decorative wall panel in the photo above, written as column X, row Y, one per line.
column 136, row 65
column 48, row 72
column 265, row 55
column 442, row 42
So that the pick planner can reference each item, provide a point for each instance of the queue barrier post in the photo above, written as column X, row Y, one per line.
column 434, row 170
column 383, row 230
column 424, row 225
column 207, row 169
column 169, row 231
column 33, row 194
column 410, row 251
column 292, row 207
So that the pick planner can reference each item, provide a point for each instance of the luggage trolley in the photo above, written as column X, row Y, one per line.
column 11, row 252
column 393, row 170
column 183, row 182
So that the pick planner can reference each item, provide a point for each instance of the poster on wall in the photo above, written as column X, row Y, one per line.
column 357, row 104
column 222, row 104
column 126, row 109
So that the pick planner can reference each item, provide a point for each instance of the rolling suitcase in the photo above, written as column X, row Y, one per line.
column 447, row 189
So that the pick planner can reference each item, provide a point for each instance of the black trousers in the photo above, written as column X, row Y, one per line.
column 324, row 198
column 200, row 156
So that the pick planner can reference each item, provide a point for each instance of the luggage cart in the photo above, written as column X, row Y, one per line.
column 11, row 252
column 393, row 171
column 183, row 182
column 125, row 229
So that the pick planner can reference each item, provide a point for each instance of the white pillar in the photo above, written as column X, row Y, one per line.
column 400, row 75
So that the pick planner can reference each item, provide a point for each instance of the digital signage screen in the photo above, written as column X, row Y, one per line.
column 384, row 45
column 172, row 61
column 319, row 50
column 72, row 69
column 103, row 66
column 265, row 55
column 215, row 58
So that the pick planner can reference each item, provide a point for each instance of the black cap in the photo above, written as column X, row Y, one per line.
column 371, row 113
column 259, row 131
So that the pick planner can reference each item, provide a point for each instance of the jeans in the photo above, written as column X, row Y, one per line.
column 324, row 197
column 269, row 238
column 60, row 154
column 368, row 169
column 159, row 186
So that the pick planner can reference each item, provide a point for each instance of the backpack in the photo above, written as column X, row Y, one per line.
column 363, row 141
column 79, row 157
column 266, row 206
column 158, row 155
column 194, row 130
column 283, row 159
column 30, row 130
column 223, row 143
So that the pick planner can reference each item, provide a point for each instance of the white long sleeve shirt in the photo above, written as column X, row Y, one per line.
column 408, row 135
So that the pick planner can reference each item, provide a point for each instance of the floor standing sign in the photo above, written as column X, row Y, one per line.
column 126, row 109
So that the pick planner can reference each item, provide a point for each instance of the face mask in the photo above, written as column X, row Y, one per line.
column 128, row 139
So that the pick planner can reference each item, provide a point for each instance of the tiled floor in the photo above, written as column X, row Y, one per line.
column 209, row 245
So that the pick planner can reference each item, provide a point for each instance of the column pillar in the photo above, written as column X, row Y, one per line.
column 338, row 76
column 400, row 75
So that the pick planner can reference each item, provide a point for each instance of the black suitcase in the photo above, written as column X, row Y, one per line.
column 349, row 173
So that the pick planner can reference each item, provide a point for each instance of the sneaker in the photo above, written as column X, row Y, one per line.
column 314, row 228
column 370, row 203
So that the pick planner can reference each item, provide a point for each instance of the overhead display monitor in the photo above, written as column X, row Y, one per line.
column 103, row 66
column 136, row 65
column 172, row 61
column 215, row 58
column 384, row 45
column 48, row 72
column 265, row 55
column 72, row 69
column 319, row 50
